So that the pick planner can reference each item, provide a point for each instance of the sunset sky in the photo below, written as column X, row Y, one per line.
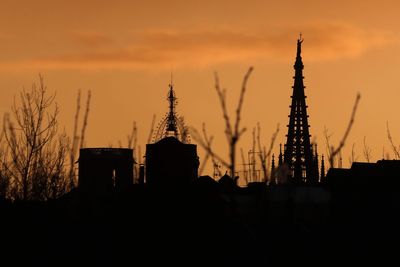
column 124, row 52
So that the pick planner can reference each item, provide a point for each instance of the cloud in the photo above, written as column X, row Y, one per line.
column 160, row 48
column 330, row 41
column 92, row 38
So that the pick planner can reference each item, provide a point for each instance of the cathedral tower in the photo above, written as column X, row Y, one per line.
column 298, row 154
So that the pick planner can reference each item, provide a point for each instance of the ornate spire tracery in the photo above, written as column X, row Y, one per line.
column 298, row 153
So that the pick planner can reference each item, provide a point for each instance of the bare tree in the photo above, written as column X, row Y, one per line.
column 85, row 119
column 366, row 150
column 132, row 137
column 329, row 148
column 76, row 139
column 208, row 143
column 151, row 129
column 35, row 154
column 244, row 164
column 4, row 178
column 395, row 149
column 353, row 156
column 264, row 154
column 232, row 133
column 332, row 151
column 133, row 144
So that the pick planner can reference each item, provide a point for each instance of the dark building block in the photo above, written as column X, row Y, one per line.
column 170, row 161
column 104, row 170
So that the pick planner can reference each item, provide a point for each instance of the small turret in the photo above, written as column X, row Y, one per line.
column 272, row 179
column 280, row 160
column 322, row 169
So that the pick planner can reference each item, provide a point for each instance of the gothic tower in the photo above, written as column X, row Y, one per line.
column 171, row 159
column 298, row 153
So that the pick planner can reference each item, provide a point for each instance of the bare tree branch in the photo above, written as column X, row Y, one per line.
column 85, row 119
column 349, row 126
column 75, row 141
column 353, row 157
column 366, row 150
column 265, row 155
column 329, row 148
column 207, row 146
column 394, row 148
column 233, row 135
column 34, row 158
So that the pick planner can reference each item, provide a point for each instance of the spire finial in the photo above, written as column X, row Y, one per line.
column 299, row 41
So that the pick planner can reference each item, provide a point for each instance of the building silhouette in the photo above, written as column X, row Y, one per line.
column 105, row 170
column 361, row 175
column 298, row 151
column 171, row 159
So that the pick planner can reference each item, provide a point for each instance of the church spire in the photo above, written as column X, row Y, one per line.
column 298, row 152
column 322, row 169
column 280, row 159
column 272, row 180
column 171, row 124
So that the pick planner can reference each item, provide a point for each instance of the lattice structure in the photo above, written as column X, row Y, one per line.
column 171, row 124
column 298, row 153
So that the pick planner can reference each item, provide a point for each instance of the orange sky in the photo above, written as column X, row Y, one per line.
column 124, row 52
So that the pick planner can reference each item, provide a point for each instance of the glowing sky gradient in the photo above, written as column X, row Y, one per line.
column 124, row 52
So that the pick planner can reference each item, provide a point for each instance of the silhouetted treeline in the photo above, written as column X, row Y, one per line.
column 37, row 159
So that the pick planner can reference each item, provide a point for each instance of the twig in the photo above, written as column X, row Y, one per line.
column 206, row 146
column 85, row 120
column 394, row 148
column 349, row 126
column 366, row 150
column 75, row 140
column 232, row 135
column 265, row 155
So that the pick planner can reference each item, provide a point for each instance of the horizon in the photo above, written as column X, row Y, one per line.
column 126, row 61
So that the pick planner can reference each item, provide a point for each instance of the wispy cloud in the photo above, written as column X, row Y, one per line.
column 92, row 38
column 187, row 48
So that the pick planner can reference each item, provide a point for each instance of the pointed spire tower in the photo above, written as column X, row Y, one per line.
column 272, row 178
column 280, row 159
column 172, row 125
column 171, row 117
column 298, row 152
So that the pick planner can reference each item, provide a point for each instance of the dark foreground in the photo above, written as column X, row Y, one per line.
column 205, row 224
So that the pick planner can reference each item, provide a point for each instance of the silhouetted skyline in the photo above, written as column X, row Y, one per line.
column 126, row 56
column 138, row 197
